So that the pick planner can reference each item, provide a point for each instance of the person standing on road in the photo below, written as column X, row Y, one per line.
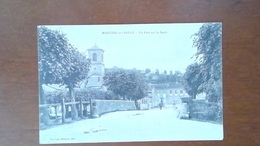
column 160, row 105
column 173, row 103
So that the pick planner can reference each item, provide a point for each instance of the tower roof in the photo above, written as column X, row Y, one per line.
column 95, row 48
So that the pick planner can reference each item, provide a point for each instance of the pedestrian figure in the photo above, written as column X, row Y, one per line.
column 160, row 105
column 174, row 107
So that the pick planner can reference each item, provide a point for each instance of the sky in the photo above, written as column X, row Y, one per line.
column 166, row 46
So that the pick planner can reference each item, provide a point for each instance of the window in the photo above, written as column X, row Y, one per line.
column 94, row 57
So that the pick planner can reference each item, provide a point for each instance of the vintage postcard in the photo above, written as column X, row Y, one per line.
column 130, row 82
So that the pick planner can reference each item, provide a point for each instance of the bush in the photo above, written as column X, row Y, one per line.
column 94, row 94
column 56, row 96
column 205, row 111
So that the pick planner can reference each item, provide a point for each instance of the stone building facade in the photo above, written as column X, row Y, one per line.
column 97, row 68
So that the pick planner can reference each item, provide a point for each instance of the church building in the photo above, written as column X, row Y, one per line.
column 97, row 68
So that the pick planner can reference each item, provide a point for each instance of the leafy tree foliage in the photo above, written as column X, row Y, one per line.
column 128, row 84
column 206, row 74
column 208, row 42
column 141, row 87
column 157, row 71
column 165, row 78
column 171, row 72
column 78, row 69
column 147, row 70
column 192, row 80
column 59, row 63
column 177, row 77
column 52, row 47
column 87, row 94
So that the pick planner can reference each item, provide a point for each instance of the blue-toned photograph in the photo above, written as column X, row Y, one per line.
column 130, row 82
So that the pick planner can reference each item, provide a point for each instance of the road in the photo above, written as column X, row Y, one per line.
column 125, row 126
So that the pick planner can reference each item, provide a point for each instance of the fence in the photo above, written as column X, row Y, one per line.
column 63, row 110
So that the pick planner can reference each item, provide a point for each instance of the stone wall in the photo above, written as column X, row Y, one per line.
column 105, row 106
column 202, row 110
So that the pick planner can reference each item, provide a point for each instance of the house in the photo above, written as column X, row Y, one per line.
column 168, row 93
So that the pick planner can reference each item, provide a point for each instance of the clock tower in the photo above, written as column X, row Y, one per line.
column 96, row 71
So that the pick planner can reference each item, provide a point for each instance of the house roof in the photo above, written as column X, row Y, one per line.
column 53, row 87
column 95, row 48
column 168, row 85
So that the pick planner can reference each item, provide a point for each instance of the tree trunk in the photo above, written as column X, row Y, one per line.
column 80, row 109
column 137, row 105
column 56, row 112
column 193, row 95
column 45, row 113
column 91, row 111
column 74, row 111
column 63, row 110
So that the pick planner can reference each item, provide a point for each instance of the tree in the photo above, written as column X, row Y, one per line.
column 77, row 71
column 52, row 47
column 192, row 80
column 140, row 89
column 172, row 77
column 147, row 70
column 157, row 72
column 128, row 84
column 171, row 72
column 178, row 76
column 59, row 63
column 208, row 41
